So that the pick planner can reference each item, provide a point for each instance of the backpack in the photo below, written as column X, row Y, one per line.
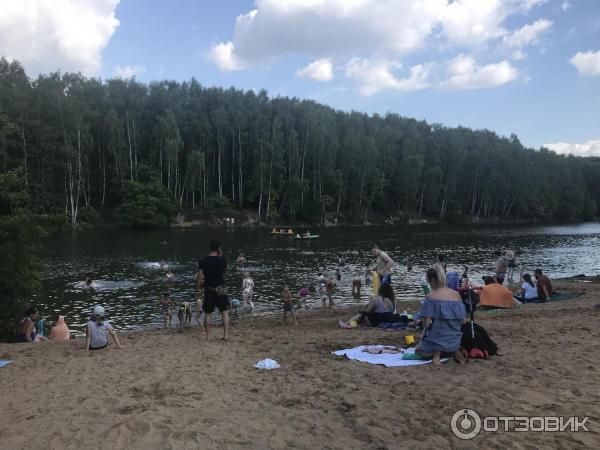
column 482, row 340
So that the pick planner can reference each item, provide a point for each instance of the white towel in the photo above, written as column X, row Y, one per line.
column 267, row 364
column 386, row 359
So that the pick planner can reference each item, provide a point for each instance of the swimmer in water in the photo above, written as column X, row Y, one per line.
column 170, row 276
column 90, row 283
column 242, row 259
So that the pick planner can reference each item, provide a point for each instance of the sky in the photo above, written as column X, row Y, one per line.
column 529, row 67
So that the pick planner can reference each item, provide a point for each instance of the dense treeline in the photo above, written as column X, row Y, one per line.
column 88, row 148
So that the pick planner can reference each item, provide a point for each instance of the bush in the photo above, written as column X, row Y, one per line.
column 87, row 217
column 20, row 242
column 219, row 202
column 146, row 206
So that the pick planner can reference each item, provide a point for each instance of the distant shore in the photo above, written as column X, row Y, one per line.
column 247, row 219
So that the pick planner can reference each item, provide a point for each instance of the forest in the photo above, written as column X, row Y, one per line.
column 140, row 155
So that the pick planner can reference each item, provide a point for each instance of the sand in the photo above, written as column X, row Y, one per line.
column 173, row 389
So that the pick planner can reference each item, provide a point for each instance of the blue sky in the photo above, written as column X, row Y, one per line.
column 531, row 67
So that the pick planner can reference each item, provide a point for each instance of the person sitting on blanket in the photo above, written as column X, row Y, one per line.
column 379, row 310
column 528, row 290
column 443, row 314
column 544, row 286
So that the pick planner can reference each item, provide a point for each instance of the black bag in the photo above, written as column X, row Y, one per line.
column 482, row 340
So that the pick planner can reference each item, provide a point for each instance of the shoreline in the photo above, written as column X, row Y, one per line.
column 242, row 317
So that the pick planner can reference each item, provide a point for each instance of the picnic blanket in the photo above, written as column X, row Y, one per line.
column 4, row 363
column 565, row 296
column 386, row 359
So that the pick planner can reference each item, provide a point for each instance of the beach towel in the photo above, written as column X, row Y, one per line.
column 386, row 359
column 565, row 296
column 4, row 363
column 393, row 325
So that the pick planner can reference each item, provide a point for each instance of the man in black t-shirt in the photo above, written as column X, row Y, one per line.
column 211, row 271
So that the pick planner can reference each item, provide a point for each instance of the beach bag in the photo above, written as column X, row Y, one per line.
column 482, row 340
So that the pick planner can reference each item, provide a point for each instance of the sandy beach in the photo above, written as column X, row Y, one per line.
column 172, row 389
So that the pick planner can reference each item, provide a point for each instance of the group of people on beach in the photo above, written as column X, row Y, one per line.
column 98, row 329
column 443, row 312
column 441, row 315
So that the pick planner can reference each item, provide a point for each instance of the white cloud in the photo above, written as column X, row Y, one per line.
column 223, row 56
column 377, row 75
column 589, row 148
column 470, row 23
column 465, row 74
column 129, row 71
column 565, row 5
column 587, row 63
column 528, row 34
column 319, row 70
column 374, row 35
column 325, row 28
column 359, row 28
column 59, row 34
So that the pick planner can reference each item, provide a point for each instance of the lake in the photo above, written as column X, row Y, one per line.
column 130, row 267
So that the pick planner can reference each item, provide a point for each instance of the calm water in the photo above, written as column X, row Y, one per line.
column 130, row 267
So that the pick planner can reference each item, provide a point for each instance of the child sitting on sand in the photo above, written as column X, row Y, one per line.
column 286, row 299
column 166, row 305
column 98, row 329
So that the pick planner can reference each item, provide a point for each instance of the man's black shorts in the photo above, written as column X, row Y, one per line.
column 212, row 301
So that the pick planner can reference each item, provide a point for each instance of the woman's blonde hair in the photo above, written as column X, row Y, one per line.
column 437, row 276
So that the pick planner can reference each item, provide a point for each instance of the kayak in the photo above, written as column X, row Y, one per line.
column 312, row 236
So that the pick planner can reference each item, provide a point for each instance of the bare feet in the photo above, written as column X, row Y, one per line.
column 461, row 356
